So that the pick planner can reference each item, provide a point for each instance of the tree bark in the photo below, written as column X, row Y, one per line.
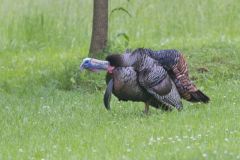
column 99, row 27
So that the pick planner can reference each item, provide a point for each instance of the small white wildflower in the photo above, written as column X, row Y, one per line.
column 238, row 157
column 204, row 155
column 226, row 139
column 225, row 152
column 179, row 139
column 129, row 150
column 193, row 138
column 170, row 138
column 158, row 138
column 151, row 139
column 45, row 107
column 68, row 149
column 214, row 152
column 20, row 150
column 188, row 147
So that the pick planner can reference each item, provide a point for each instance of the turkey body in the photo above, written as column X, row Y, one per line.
column 125, row 87
column 141, row 78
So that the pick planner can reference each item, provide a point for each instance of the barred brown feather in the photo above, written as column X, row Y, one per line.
column 176, row 66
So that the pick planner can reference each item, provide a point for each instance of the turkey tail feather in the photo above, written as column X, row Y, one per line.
column 199, row 96
column 107, row 95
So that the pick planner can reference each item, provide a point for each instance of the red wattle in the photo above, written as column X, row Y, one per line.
column 110, row 69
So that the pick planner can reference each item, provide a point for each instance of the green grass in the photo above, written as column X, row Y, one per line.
column 48, row 110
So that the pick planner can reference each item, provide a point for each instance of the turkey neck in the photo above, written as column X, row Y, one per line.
column 121, row 60
column 129, row 59
column 137, row 59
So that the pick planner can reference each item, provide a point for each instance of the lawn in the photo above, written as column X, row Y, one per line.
column 49, row 110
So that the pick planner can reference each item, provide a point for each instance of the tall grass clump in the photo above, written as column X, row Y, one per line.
column 44, row 24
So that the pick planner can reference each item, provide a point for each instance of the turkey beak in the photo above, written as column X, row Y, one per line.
column 81, row 67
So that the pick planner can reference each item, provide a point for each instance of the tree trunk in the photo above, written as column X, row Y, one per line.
column 99, row 28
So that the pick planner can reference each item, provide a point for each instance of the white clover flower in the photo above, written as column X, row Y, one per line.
column 192, row 137
column 179, row 139
column 129, row 150
column 45, row 107
column 226, row 139
column 68, row 149
column 54, row 146
column 170, row 138
column 204, row 155
column 151, row 139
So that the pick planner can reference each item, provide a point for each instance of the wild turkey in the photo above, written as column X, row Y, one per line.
column 175, row 64
column 150, row 79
